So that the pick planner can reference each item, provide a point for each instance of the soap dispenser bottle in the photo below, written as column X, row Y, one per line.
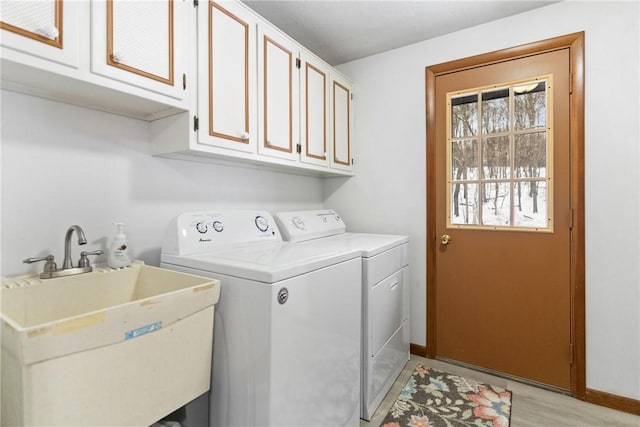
column 119, row 250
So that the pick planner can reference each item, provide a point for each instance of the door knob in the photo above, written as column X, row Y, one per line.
column 445, row 239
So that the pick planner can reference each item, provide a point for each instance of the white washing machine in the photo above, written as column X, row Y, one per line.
column 385, row 294
column 287, row 326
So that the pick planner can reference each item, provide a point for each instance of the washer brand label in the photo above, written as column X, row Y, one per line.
column 205, row 240
column 134, row 333
column 283, row 295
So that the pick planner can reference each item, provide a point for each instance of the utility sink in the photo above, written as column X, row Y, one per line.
column 111, row 347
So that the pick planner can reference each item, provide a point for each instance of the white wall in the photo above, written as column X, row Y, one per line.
column 64, row 165
column 388, row 193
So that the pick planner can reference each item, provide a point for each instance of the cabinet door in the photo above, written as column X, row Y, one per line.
column 278, row 98
column 227, row 76
column 141, row 43
column 45, row 29
column 341, row 90
column 314, row 106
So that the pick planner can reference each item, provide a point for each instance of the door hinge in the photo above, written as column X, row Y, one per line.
column 572, row 354
column 196, row 3
column 572, row 213
column 184, row 82
column 298, row 63
column 298, row 148
column 196, row 123
column 570, row 83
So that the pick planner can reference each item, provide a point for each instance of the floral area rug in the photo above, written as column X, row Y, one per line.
column 433, row 398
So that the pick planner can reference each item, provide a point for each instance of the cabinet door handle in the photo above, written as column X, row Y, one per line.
column 394, row 284
column 117, row 56
column 244, row 136
column 49, row 31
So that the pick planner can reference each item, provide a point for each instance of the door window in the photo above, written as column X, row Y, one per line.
column 499, row 140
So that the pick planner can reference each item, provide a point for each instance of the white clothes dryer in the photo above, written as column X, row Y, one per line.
column 385, row 294
column 287, row 326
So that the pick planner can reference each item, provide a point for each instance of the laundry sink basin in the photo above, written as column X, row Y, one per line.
column 111, row 347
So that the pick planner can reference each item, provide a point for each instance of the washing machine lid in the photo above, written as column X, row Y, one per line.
column 267, row 263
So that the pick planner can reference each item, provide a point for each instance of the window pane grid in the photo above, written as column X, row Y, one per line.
column 498, row 157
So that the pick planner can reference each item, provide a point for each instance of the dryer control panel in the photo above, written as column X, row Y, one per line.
column 204, row 231
column 307, row 225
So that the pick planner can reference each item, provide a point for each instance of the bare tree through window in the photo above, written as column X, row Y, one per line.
column 498, row 161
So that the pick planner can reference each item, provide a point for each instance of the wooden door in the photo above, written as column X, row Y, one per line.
column 140, row 43
column 227, row 91
column 503, row 217
column 278, row 94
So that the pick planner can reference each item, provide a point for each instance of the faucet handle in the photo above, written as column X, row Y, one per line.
column 84, row 260
column 49, row 266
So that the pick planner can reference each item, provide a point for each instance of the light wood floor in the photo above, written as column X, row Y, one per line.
column 531, row 406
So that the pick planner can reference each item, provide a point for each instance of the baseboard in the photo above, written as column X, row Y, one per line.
column 418, row 350
column 613, row 401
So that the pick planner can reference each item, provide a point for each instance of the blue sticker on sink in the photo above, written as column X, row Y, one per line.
column 134, row 333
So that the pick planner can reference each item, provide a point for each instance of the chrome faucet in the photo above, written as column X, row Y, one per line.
column 50, row 268
column 82, row 240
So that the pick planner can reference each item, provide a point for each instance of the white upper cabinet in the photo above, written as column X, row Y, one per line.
column 314, row 106
column 140, row 43
column 125, row 57
column 227, row 76
column 40, row 29
column 278, row 94
column 341, row 90
column 262, row 98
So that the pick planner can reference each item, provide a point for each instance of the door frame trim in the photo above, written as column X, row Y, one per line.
column 575, row 43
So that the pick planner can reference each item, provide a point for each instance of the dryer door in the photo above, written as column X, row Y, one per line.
column 388, row 309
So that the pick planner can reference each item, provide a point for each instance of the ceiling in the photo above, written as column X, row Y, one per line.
column 340, row 31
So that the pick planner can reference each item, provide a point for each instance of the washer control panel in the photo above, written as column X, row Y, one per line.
column 306, row 225
column 203, row 231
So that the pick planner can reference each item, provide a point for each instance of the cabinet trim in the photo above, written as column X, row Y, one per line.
column 321, row 156
column 213, row 5
column 129, row 68
column 267, row 40
column 335, row 158
column 57, row 42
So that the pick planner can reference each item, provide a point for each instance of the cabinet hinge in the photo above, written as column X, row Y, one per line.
column 184, row 82
column 352, row 161
column 351, row 96
column 298, row 63
column 196, row 123
column 195, row 3
column 298, row 148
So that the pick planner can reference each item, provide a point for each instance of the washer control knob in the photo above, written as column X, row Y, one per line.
column 217, row 225
column 262, row 223
column 202, row 227
column 298, row 222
